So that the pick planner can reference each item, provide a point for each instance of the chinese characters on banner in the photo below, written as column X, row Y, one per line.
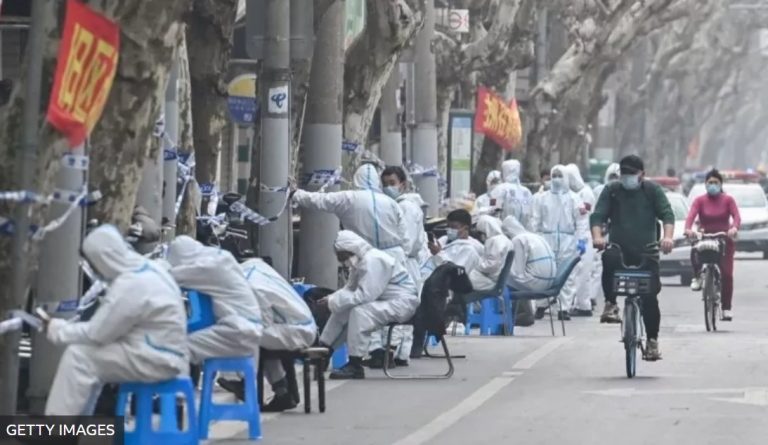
column 498, row 120
column 87, row 61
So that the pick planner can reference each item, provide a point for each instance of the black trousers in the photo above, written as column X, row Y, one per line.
column 650, row 303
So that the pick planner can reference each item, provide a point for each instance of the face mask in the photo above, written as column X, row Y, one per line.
column 547, row 184
column 392, row 191
column 630, row 182
column 452, row 234
column 714, row 189
column 558, row 184
column 351, row 262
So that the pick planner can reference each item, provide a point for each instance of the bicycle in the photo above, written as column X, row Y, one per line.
column 633, row 283
column 710, row 248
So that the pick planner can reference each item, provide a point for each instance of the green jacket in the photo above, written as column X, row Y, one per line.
column 632, row 215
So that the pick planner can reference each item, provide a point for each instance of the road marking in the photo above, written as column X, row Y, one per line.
column 682, row 328
column 512, row 373
column 226, row 430
column 534, row 357
column 629, row 392
column 753, row 396
column 450, row 417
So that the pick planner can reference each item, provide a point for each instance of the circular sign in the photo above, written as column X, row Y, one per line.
column 241, row 101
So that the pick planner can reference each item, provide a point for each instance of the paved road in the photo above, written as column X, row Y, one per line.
column 711, row 388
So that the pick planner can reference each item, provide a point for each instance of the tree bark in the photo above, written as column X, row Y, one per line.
column 211, row 27
column 390, row 26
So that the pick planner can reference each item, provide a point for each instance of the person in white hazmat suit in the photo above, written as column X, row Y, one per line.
column 582, row 304
column 288, row 326
column 558, row 218
column 456, row 246
column 515, row 199
column 484, row 204
column 366, row 211
column 138, row 332
column 612, row 174
column 534, row 266
column 379, row 291
column 395, row 182
column 497, row 246
column 215, row 272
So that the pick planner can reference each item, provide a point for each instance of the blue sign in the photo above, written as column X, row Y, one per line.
column 207, row 189
column 243, row 110
column 349, row 146
column 170, row 155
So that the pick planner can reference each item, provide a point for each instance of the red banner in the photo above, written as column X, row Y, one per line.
column 498, row 120
column 87, row 62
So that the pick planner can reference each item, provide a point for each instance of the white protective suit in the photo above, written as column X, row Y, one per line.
column 216, row 273
column 515, row 199
column 379, row 291
column 557, row 217
column 288, row 322
column 483, row 202
column 534, row 267
column 367, row 211
column 497, row 246
column 584, row 270
column 461, row 252
column 138, row 333
column 416, row 252
column 596, row 285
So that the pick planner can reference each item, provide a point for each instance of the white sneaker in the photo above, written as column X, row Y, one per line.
column 727, row 315
column 696, row 284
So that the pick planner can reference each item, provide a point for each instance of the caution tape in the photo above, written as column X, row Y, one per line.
column 25, row 197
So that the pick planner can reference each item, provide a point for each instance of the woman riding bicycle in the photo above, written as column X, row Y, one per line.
column 716, row 212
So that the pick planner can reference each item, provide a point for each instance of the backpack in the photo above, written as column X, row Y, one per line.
column 649, row 189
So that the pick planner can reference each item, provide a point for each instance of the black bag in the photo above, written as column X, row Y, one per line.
column 321, row 315
column 434, row 312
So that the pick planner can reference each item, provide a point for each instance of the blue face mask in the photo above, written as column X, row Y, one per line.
column 558, row 184
column 392, row 191
column 714, row 189
column 630, row 182
column 452, row 234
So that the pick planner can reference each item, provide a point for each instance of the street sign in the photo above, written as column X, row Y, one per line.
column 460, row 152
column 354, row 21
column 456, row 20
column 242, row 99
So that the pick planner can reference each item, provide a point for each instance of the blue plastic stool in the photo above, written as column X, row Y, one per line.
column 200, row 311
column 490, row 318
column 340, row 357
column 168, row 433
column 247, row 411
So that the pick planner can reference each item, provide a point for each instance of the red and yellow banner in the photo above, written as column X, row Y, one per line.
column 87, row 62
column 498, row 120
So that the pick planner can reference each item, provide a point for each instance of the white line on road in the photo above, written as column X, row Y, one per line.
column 448, row 418
column 531, row 359
column 628, row 392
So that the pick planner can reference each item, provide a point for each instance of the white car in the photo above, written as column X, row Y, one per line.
column 753, row 208
column 678, row 262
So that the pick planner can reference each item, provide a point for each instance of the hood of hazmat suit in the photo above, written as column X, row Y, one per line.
column 216, row 273
column 511, row 171
column 497, row 246
column 513, row 197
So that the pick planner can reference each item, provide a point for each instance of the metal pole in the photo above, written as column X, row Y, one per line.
column 317, row 261
column 170, row 144
column 425, row 133
column 58, row 288
column 276, row 136
column 9, row 355
column 391, row 135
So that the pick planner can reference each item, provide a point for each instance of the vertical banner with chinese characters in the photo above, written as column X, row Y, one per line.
column 498, row 120
column 86, row 66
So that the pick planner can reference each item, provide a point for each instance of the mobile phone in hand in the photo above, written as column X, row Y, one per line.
column 42, row 314
column 431, row 237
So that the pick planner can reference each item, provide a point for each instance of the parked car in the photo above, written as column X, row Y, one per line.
column 678, row 262
column 753, row 207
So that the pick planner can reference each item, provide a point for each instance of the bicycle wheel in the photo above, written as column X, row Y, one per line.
column 708, row 294
column 630, row 338
column 714, row 301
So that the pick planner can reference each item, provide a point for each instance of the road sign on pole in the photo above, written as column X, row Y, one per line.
column 456, row 20
column 242, row 99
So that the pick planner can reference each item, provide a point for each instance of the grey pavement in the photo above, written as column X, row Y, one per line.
column 711, row 388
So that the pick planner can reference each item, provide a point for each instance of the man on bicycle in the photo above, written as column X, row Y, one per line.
column 632, row 207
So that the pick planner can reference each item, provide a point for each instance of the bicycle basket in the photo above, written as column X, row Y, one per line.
column 709, row 251
column 630, row 283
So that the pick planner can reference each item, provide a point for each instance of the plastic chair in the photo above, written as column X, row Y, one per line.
column 493, row 313
column 340, row 357
column 313, row 359
column 551, row 294
column 248, row 411
column 169, row 431
column 200, row 311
